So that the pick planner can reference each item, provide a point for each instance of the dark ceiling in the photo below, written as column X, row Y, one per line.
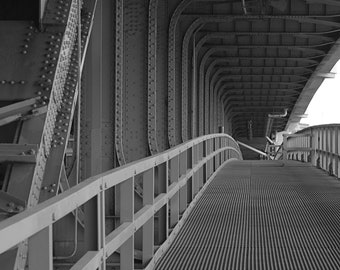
column 259, row 55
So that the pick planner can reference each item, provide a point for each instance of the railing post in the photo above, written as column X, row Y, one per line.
column 161, row 182
column 210, row 162
column 219, row 155
column 126, row 215
column 195, row 184
column 320, row 147
column 148, row 227
column 215, row 146
column 174, row 201
column 331, row 150
column 327, row 148
column 336, row 151
column 101, row 225
column 200, row 171
column 223, row 153
column 285, row 147
column 40, row 250
column 312, row 139
column 183, row 191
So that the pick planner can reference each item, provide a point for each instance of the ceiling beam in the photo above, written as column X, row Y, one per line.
column 267, row 67
column 228, row 75
column 296, row 91
column 318, row 19
column 317, row 35
column 302, row 48
column 264, row 97
column 324, row 2
column 255, row 58
column 232, row 84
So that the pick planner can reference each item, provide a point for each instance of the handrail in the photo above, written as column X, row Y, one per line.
column 204, row 155
column 318, row 145
column 316, row 127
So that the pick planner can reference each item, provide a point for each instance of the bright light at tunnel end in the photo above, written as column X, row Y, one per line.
column 324, row 107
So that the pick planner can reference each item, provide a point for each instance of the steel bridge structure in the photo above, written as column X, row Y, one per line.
column 122, row 126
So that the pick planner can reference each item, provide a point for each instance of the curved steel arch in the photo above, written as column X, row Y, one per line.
column 205, row 58
column 212, row 65
column 205, row 38
column 311, row 19
column 152, row 77
column 192, row 28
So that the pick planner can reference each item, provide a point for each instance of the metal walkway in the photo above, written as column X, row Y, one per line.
column 262, row 215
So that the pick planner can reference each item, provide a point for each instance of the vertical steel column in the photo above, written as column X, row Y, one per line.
column 148, row 227
column 174, row 201
column 40, row 250
column 210, row 110
column 152, row 77
column 194, row 118
column 131, row 80
column 173, row 51
column 126, row 215
column 183, row 191
column 119, row 81
column 92, row 121
column 164, row 9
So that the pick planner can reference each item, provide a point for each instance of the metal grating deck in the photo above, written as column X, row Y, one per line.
column 262, row 215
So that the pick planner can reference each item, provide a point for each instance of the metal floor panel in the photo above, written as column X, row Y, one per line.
column 261, row 216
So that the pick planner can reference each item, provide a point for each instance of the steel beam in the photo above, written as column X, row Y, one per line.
column 317, row 35
column 18, row 153
column 310, row 48
column 318, row 19
column 324, row 2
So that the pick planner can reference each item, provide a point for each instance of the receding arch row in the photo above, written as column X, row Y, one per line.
column 190, row 31
column 186, row 67
column 184, row 4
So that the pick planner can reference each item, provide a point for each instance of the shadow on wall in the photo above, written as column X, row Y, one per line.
column 19, row 10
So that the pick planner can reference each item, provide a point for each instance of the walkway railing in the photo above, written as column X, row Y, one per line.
column 172, row 183
column 318, row 145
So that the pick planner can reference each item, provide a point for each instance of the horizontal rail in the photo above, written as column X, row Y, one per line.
column 253, row 149
column 318, row 145
column 194, row 161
